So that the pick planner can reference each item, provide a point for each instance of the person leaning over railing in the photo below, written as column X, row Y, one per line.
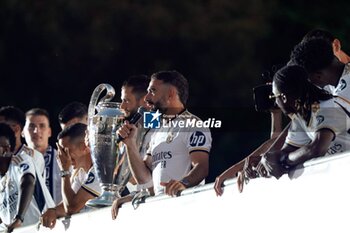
column 321, row 55
column 320, row 119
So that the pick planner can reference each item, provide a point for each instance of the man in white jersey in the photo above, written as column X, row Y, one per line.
column 318, row 118
column 15, row 118
column 37, row 132
column 81, row 186
column 325, row 70
column 17, row 181
column 133, row 93
column 177, row 158
column 317, row 57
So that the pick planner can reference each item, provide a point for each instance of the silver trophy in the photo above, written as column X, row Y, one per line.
column 104, row 120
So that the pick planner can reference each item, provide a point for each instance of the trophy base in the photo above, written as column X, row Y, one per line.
column 106, row 199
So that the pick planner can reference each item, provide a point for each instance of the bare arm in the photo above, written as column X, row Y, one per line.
column 199, row 171
column 25, row 197
column 318, row 147
column 277, row 163
column 276, row 122
column 253, row 159
column 200, row 168
column 48, row 219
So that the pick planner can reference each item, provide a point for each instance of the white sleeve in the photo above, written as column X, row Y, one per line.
column 342, row 90
column 91, row 184
column 198, row 139
column 334, row 118
column 25, row 165
column 77, row 180
column 296, row 134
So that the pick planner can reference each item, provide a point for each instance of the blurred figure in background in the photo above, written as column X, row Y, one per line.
column 74, row 112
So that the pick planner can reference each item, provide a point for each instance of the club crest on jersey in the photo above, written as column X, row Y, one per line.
column 24, row 167
column 197, row 139
column 319, row 119
column 170, row 137
column 90, row 179
column 342, row 85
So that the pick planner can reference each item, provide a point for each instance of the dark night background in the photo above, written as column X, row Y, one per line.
column 55, row 52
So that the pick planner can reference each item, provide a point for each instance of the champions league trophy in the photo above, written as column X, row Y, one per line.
column 104, row 120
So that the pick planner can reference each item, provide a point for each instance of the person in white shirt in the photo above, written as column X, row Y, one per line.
column 319, row 118
column 81, row 186
column 37, row 132
column 177, row 158
column 15, row 118
column 133, row 93
column 17, row 181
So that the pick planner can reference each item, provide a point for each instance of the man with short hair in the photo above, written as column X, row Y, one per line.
column 74, row 112
column 81, row 186
column 37, row 132
column 18, row 206
column 319, row 33
column 324, row 68
column 133, row 92
column 15, row 118
column 175, row 160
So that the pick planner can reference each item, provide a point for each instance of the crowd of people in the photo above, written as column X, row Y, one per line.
column 41, row 182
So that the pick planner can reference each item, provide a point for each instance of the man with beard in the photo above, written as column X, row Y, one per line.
column 133, row 93
column 177, row 157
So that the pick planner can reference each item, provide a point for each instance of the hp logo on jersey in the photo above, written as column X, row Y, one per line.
column 151, row 120
column 197, row 139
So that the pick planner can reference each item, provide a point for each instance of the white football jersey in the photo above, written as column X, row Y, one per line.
column 88, row 181
column 330, row 115
column 39, row 164
column 342, row 90
column 10, row 190
column 38, row 158
column 170, row 147
column 91, row 183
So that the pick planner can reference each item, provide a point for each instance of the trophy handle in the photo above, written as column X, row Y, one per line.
column 95, row 95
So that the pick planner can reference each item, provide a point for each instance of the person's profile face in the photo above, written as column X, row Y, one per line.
column 129, row 104
column 284, row 101
column 157, row 95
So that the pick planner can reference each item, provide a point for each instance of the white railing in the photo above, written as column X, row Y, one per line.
column 315, row 198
